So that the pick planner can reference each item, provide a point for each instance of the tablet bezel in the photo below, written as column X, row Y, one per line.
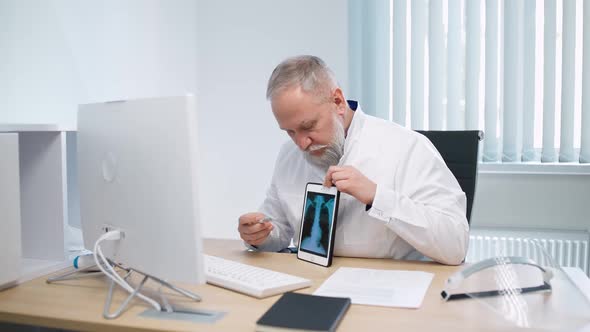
column 307, row 255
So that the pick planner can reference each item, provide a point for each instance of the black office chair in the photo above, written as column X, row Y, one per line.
column 459, row 151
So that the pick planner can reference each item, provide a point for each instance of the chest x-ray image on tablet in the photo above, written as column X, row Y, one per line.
column 318, row 224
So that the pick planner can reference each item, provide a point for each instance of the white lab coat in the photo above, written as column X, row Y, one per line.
column 419, row 207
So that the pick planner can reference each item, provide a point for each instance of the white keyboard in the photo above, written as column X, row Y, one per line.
column 248, row 279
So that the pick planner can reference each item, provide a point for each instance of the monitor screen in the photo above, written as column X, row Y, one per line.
column 137, row 164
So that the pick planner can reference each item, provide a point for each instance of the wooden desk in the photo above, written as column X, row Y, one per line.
column 78, row 304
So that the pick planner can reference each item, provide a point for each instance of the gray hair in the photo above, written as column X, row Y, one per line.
column 307, row 72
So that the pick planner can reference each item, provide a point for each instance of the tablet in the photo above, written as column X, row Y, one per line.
column 318, row 224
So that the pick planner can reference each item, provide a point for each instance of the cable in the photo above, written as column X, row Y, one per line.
column 111, row 273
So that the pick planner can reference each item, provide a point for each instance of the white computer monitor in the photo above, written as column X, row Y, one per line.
column 137, row 163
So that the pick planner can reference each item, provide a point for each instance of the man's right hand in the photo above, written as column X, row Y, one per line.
column 251, row 230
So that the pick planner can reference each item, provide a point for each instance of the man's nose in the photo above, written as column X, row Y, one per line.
column 303, row 141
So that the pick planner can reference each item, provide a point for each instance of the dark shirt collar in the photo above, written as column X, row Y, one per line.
column 353, row 104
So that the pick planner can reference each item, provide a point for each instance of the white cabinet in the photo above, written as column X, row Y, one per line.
column 10, row 233
column 33, row 201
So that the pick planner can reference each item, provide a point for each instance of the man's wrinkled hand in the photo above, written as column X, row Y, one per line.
column 351, row 181
column 252, row 231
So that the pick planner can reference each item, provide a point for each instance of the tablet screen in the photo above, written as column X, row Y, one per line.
column 317, row 223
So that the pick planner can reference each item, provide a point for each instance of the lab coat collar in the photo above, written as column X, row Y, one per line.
column 353, row 132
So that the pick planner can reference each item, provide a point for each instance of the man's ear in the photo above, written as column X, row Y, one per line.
column 338, row 99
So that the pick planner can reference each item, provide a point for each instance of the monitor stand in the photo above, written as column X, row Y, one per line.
column 88, row 272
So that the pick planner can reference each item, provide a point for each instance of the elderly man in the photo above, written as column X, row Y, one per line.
column 398, row 198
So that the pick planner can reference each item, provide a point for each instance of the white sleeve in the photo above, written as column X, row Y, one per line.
column 282, row 233
column 427, row 207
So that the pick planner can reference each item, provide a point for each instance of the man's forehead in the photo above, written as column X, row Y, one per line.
column 296, row 94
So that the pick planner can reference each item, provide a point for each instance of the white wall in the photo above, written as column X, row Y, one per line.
column 57, row 54
column 239, row 44
column 37, row 81
column 550, row 201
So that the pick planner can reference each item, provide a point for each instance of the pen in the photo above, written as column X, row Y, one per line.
column 265, row 219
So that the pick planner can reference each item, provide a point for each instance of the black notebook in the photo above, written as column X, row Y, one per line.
column 304, row 312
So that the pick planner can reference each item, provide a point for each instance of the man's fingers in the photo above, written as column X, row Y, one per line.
column 251, row 230
column 260, row 237
column 329, row 179
column 250, row 218
column 343, row 174
column 337, row 176
column 258, row 242
column 254, row 228
column 253, row 237
column 343, row 185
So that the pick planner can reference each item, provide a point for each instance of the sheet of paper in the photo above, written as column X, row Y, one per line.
column 390, row 288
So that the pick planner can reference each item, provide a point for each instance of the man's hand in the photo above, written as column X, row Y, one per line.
column 251, row 230
column 349, row 180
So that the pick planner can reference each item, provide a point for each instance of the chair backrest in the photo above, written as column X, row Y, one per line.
column 459, row 151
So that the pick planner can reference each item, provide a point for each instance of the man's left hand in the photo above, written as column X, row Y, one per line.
column 351, row 181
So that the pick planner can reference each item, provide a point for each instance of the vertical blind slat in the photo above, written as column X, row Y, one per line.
column 566, row 149
column 454, row 61
column 381, row 70
column 355, row 49
column 548, row 152
column 417, row 66
column 398, row 90
column 472, row 51
column 512, row 139
column 436, row 51
column 490, row 152
column 528, row 102
column 369, row 87
column 585, row 132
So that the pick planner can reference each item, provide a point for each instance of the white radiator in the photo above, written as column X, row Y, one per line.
column 567, row 248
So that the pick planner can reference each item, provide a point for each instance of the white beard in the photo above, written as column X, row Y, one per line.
column 333, row 151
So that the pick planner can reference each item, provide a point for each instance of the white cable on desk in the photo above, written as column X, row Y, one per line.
column 111, row 273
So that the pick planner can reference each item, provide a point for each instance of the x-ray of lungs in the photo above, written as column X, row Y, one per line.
column 317, row 220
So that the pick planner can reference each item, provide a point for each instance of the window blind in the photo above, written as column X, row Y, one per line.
column 518, row 70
